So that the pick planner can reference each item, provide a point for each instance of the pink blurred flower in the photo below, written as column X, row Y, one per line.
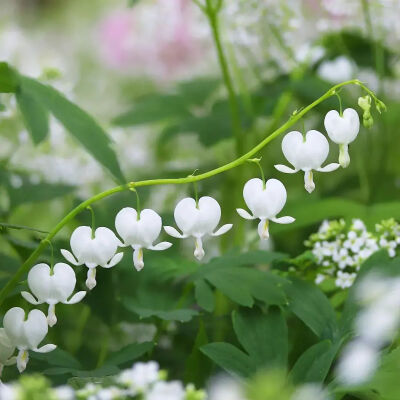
column 154, row 39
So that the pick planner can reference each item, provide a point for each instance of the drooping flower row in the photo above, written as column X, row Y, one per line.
column 195, row 218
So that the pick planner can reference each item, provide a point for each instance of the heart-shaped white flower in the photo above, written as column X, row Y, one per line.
column 26, row 334
column 93, row 251
column 52, row 287
column 6, row 351
column 306, row 153
column 197, row 220
column 140, row 232
column 342, row 130
column 265, row 201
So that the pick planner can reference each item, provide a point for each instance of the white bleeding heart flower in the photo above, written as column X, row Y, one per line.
column 197, row 221
column 342, row 130
column 265, row 201
column 52, row 287
column 140, row 231
column 306, row 153
column 98, row 249
column 26, row 334
column 7, row 350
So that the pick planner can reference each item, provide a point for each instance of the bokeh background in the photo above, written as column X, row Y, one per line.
column 147, row 71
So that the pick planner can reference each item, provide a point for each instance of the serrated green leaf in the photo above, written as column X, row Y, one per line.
column 263, row 336
column 77, row 122
column 230, row 358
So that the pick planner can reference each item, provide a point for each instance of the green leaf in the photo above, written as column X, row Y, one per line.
column 309, row 304
column 230, row 358
column 314, row 364
column 8, row 79
column 35, row 116
column 78, row 123
column 128, row 353
column 58, row 358
column 204, row 295
column 263, row 336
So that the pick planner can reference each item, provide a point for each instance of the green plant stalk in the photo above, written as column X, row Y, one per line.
column 168, row 181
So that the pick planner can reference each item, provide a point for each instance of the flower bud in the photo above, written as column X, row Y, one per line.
column 365, row 103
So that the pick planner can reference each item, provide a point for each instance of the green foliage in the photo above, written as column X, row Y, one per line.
column 8, row 79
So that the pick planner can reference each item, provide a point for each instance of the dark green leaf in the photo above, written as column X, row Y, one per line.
column 263, row 336
column 128, row 353
column 79, row 124
column 58, row 358
column 204, row 295
column 312, row 307
column 230, row 358
column 35, row 116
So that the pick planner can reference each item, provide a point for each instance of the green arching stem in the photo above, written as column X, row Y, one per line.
column 89, row 208
column 177, row 181
column 257, row 161
column 340, row 104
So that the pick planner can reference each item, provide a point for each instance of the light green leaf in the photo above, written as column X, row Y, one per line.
column 8, row 79
column 128, row 353
column 78, row 123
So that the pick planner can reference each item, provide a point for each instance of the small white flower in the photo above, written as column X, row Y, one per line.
column 9, row 392
column 65, row 393
column 166, row 391
column 7, row 350
column 197, row 220
column 338, row 70
column 140, row 376
column 140, row 231
column 306, row 153
column 52, row 287
column 93, row 249
column 265, row 201
column 344, row 279
column 320, row 278
column 26, row 334
column 342, row 130
column 358, row 363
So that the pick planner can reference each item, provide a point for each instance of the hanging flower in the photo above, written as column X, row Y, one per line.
column 197, row 220
column 140, row 231
column 342, row 129
column 265, row 201
column 6, row 351
column 52, row 287
column 306, row 153
column 26, row 334
column 93, row 248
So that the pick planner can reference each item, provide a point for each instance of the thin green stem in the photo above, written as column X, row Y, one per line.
column 257, row 161
column 89, row 208
column 340, row 104
column 177, row 181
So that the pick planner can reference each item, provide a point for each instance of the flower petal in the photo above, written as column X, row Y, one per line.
column 198, row 250
column 283, row 220
column 263, row 229
column 76, row 298
column 46, row 348
column 285, row 169
column 115, row 260
column 91, row 278
column 30, row 298
column 35, row 328
column 224, row 228
column 69, row 257
column 244, row 214
column 138, row 258
column 174, row 232
column 329, row 168
column 161, row 246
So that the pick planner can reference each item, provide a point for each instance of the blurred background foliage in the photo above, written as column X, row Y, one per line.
column 147, row 72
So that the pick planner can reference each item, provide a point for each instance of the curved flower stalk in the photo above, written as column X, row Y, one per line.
column 7, row 350
column 306, row 153
column 26, row 334
column 93, row 248
column 52, row 287
column 265, row 201
column 197, row 220
column 140, row 230
column 342, row 129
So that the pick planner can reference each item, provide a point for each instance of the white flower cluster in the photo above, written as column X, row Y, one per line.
column 143, row 380
column 340, row 250
column 375, row 326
